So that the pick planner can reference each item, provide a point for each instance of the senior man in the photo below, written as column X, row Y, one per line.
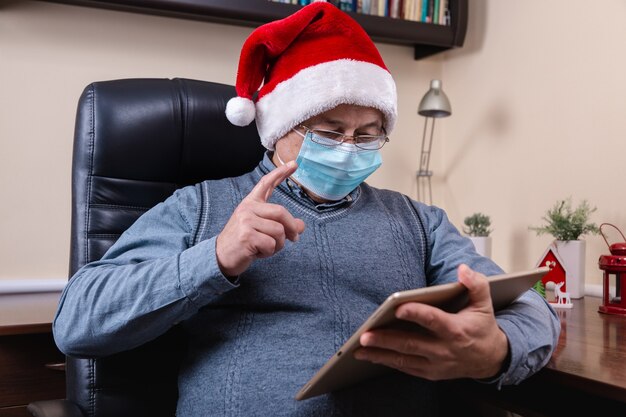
column 270, row 272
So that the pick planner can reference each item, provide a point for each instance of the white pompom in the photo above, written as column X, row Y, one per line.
column 240, row 111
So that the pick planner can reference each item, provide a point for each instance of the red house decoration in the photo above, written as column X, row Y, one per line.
column 557, row 274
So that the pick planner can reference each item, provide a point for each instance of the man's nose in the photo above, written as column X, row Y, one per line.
column 349, row 137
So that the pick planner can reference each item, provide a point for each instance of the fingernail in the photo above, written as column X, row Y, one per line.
column 291, row 164
column 469, row 277
column 297, row 238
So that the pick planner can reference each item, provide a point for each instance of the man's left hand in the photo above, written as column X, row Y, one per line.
column 467, row 344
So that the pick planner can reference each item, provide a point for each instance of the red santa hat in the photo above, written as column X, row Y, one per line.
column 309, row 63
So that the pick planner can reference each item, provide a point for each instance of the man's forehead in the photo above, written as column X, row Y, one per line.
column 346, row 113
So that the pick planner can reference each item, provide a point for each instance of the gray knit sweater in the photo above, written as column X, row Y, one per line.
column 255, row 342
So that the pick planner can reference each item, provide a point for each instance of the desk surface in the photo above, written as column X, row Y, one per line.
column 585, row 376
column 27, row 313
column 591, row 354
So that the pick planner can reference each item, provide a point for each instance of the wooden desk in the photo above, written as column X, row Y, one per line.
column 585, row 376
column 591, row 355
column 29, row 360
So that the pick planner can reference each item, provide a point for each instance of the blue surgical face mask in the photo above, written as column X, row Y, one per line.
column 333, row 171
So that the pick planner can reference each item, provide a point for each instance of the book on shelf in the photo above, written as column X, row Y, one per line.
column 426, row 11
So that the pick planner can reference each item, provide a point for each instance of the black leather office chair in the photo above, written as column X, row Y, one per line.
column 135, row 142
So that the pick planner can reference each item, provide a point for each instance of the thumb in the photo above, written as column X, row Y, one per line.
column 477, row 287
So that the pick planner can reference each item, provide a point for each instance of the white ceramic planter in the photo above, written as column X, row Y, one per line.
column 482, row 245
column 572, row 253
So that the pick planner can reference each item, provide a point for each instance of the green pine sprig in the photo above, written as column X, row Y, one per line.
column 540, row 288
column 565, row 223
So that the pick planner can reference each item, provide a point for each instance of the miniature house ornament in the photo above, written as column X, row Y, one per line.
column 614, row 267
column 563, row 271
column 557, row 276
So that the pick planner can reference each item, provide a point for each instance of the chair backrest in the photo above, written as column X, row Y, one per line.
column 136, row 141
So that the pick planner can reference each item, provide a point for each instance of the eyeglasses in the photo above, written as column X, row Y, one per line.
column 365, row 142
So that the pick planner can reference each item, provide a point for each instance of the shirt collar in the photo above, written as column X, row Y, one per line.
column 290, row 187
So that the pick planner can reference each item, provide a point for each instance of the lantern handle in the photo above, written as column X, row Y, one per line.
column 604, row 237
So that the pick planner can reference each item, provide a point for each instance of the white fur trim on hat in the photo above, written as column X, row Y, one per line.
column 320, row 88
column 240, row 111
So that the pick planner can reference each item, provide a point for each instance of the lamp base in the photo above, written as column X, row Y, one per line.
column 612, row 310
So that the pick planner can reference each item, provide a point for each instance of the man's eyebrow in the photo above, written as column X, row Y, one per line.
column 337, row 122
column 375, row 124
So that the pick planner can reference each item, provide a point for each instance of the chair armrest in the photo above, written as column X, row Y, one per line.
column 54, row 408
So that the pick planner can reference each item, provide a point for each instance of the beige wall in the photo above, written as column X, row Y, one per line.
column 50, row 52
column 539, row 96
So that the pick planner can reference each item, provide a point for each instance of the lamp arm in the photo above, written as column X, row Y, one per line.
column 430, row 143
column 425, row 153
column 423, row 163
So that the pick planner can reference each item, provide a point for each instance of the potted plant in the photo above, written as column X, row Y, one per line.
column 477, row 229
column 567, row 225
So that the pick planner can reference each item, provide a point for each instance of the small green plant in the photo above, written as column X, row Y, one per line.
column 477, row 225
column 565, row 223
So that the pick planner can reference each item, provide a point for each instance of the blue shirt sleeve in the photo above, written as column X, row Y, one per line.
column 531, row 325
column 447, row 249
column 532, row 328
column 152, row 278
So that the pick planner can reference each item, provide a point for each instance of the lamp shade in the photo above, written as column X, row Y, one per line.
column 435, row 103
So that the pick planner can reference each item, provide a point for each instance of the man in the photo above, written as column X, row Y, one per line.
column 270, row 272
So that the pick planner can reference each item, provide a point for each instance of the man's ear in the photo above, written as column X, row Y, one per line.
column 286, row 148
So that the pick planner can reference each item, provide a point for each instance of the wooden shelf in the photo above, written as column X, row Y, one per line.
column 427, row 39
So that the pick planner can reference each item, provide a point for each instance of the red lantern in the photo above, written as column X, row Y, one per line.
column 614, row 266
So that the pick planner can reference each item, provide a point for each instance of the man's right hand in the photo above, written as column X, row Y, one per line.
column 257, row 229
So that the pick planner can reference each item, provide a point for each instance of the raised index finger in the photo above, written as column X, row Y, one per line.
column 263, row 190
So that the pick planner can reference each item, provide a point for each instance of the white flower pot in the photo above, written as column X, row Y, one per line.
column 572, row 253
column 482, row 245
